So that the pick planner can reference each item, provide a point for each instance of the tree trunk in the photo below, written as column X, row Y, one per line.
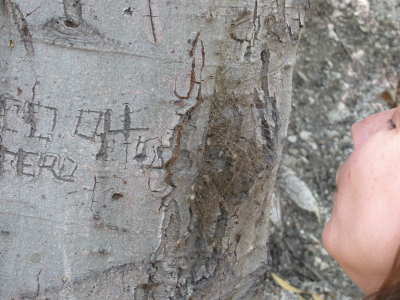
column 139, row 145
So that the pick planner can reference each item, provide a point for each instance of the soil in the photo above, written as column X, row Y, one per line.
column 348, row 68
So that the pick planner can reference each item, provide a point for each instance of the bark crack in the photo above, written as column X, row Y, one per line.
column 2, row 155
column 28, row 14
column 38, row 283
column 193, row 68
column 96, row 216
column 199, row 100
column 153, row 28
column 35, row 294
column 23, row 28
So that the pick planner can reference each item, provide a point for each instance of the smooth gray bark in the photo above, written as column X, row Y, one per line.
column 139, row 145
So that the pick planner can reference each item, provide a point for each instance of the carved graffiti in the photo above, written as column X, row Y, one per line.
column 94, row 124
column 97, row 126
column 152, row 23
column 33, row 120
column 33, row 164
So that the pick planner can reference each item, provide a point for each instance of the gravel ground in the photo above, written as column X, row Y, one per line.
column 348, row 68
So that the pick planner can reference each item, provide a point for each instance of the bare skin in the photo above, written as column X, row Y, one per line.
column 363, row 233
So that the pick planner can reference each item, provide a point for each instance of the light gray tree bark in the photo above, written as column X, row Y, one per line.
column 139, row 145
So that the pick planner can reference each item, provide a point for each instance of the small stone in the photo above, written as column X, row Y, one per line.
column 324, row 252
column 275, row 211
column 293, row 152
column 317, row 261
column 314, row 145
column 335, row 75
column 292, row 138
column 358, row 55
column 339, row 114
column 298, row 191
column 332, row 33
column 302, row 76
column 305, row 135
column 330, row 134
column 209, row 15
column 323, row 266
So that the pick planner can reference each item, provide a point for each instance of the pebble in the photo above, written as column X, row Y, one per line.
column 317, row 261
column 275, row 211
column 314, row 145
column 339, row 114
column 292, row 138
column 324, row 266
column 332, row 34
column 298, row 191
column 331, row 133
column 305, row 135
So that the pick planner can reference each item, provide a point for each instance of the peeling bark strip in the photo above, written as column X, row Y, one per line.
column 23, row 28
column 73, row 12
column 268, row 110
column 163, row 271
column 152, row 22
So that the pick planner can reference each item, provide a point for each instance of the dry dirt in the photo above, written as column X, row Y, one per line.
column 349, row 55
